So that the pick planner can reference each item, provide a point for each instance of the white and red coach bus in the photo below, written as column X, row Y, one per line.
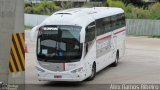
column 74, row 44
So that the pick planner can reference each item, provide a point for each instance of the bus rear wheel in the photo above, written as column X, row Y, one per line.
column 93, row 74
column 115, row 63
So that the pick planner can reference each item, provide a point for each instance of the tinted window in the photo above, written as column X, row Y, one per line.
column 61, row 45
column 99, row 26
column 122, row 20
column 113, row 22
column 90, row 32
column 109, row 23
column 117, row 21
column 103, row 25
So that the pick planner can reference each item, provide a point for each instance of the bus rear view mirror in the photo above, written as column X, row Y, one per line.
column 82, row 34
column 34, row 33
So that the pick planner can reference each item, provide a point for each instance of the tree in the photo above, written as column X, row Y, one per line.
column 66, row 5
column 134, row 2
column 155, row 11
column 119, row 4
column 42, row 8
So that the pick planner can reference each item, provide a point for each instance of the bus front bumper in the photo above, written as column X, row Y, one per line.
column 59, row 77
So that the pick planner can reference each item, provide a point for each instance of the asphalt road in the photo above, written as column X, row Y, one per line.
column 141, row 64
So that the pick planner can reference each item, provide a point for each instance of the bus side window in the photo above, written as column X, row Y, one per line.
column 99, row 26
column 118, row 25
column 90, row 35
column 90, row 32
column 113, row 22
column 122, row 20
column 107, row 21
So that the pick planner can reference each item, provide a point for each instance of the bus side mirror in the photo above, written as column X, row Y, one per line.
column 82, row 36
column 34, row 33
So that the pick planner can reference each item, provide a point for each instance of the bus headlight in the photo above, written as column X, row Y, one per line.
column 39, row 69
column 77, row 70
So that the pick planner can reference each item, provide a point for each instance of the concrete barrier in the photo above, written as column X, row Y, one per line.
column 11, row 21
column 33, row 19
column 143, row 27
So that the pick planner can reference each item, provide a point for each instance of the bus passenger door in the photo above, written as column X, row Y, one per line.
column 113, row 46
column 90, row 47
column 89, row 56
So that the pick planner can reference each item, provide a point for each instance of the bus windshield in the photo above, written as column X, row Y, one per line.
column 60, row 43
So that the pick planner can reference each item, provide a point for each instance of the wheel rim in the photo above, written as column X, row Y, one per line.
column 116, row 59
column 93, row 71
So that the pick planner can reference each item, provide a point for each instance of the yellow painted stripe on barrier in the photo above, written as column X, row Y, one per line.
column 19, row 49
column 9, row 70
column 23, row 44
column 17, row 54
column 16, row 57
column 12, row 64
column 22, row 39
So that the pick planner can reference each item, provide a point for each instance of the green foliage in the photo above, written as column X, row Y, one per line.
column 66, row 5
column 138, row 3
column 154, row 36
column 28, row 10
column 41, row 8
column 133, row 12
column 87, row 6
column 129, row 8
column 140, row 13
column 155, row 11
column 116, row 4
column 28, row 27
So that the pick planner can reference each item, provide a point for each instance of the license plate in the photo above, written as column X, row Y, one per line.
column 57, row 76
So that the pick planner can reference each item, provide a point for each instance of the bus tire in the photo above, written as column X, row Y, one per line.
column 115, row 63
column 93, row 74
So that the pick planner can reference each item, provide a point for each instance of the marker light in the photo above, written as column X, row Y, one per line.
column 39, row 69
column 79, row 70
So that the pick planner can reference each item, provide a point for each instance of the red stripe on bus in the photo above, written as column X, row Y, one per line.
column 119, row 31
column 110, row 35
column 104, row 38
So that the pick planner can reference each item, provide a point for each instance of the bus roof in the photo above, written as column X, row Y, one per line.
column 80, row 16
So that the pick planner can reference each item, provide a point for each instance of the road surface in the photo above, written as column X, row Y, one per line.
column 141, row 64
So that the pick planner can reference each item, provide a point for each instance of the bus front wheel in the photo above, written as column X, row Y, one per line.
column 93, row 73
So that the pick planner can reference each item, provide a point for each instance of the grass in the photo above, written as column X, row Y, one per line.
column 148, row 36
column 28, row 27
column 154, row 36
